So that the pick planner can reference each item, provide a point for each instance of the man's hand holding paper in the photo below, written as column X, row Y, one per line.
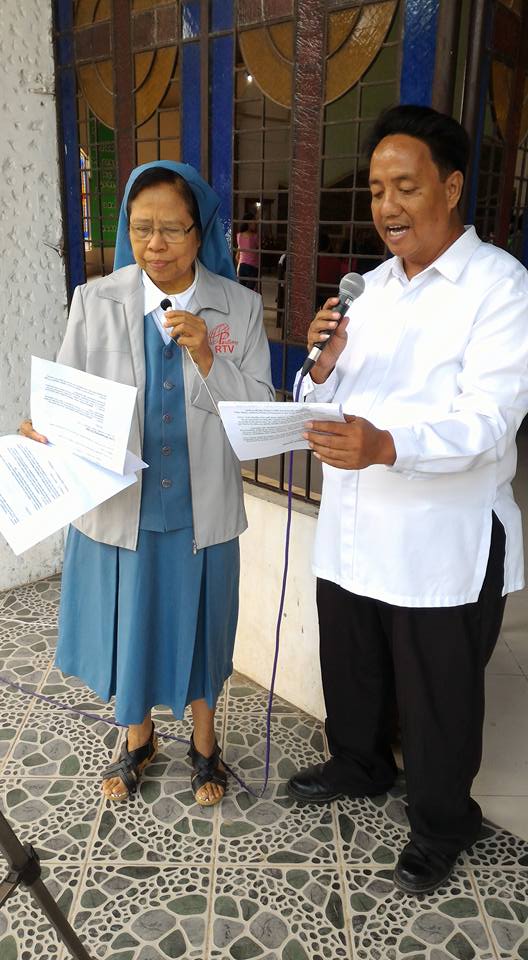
column 352, row 445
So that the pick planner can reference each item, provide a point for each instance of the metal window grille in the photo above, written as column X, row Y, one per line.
column 489, row 181
column 347, row 239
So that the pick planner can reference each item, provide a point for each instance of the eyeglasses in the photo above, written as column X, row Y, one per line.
column 170, row 234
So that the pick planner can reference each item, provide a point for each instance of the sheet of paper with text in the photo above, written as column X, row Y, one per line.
column 264, row 429
column 87, row 422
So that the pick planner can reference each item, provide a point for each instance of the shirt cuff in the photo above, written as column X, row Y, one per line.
column 318, row 392
column 407, row 451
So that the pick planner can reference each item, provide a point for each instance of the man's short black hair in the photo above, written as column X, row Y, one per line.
column 446, row 138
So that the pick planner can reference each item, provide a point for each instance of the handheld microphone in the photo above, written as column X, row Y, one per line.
column 167, row 305
column 350, row 288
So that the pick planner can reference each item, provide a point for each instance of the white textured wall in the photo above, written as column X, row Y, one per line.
column 32, row 281
column 261, row 556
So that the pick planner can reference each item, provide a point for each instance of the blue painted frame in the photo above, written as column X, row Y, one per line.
column 69, row 144
column 418, row 51
column 191, row 112
column 222, row 15
column 221, row 54
column 190, row 19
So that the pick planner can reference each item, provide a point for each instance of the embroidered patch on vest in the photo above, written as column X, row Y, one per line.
column 220, row 339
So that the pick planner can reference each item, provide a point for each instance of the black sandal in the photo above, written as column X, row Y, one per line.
column 130, row 766
column 206, row 770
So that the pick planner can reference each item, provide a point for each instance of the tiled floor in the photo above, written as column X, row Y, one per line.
column 160, row 877
column 502, row 784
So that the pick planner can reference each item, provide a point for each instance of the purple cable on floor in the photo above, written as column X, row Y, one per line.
column 170, row 736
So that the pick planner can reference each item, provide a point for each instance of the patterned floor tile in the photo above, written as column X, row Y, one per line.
column 388, row 924
column 162, row 824
column 56, row 816
column 277, row 893
column 55, row 743
column 31, row 600
column 373, row 829
column 165, row 720
column 246, row 697
column 497, row 848
column 172, row 760
column 65, row 689
column 13, row 708
column 273, row 829
column 504, row 897
column 25, row 933
column 144, row 912
column 17, row 658
column 278, row 914
column 29, row 676
column 296, row 741
column 35, row 637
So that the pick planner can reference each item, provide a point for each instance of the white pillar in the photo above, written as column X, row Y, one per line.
column 32, row 277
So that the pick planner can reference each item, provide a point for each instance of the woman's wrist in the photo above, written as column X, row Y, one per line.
column 205, row 362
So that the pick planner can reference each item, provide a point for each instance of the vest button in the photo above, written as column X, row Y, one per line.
column 167, row 418
column 166, row 484
column 167, row 385
column 167, row 353
column 166, row 451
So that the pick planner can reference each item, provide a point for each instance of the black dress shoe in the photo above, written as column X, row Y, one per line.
column 314, row 785
column 420, row 871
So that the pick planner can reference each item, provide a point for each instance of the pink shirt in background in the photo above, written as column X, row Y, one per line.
column 247, row 244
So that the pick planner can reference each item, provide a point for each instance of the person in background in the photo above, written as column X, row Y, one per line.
column 419, row 539
column 247, row 257
column 329, row 268
column 150, row 581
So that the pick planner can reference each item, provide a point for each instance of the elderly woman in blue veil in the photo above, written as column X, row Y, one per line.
column 150, row 581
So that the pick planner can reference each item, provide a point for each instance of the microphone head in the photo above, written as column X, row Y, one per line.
column 351, row 286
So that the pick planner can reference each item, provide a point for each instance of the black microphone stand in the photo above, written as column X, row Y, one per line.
column 24, row 868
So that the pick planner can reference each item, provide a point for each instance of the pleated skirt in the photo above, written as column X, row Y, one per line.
column 152, row 626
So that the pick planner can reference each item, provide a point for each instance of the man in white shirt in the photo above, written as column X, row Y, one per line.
column 419, row 538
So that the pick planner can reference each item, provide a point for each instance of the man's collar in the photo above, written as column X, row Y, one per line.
column 450, row 264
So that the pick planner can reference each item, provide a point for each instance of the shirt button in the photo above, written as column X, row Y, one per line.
column 166, row 484
column 167, row 353
column 166, row 451
column 166, row 418
column 167, row 385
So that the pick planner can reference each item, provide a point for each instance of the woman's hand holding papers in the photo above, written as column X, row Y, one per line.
column 26, row 430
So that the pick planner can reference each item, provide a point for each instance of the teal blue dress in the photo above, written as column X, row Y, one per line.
column 155, row 625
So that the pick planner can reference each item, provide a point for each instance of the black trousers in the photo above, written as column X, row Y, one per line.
column 433, row 660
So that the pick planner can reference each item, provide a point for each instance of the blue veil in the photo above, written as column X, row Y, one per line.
column 214, row 252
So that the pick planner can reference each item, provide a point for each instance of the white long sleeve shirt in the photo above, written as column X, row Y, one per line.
column 441, row 361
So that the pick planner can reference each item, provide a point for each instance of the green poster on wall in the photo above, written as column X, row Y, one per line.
column 103, row 184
